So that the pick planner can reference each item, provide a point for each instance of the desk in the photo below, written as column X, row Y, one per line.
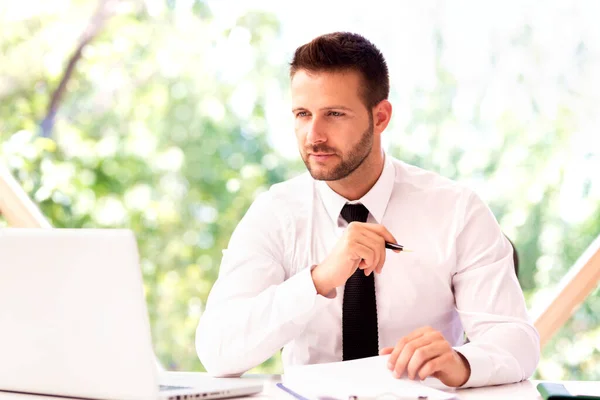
column 525, row 390
column 519, row 391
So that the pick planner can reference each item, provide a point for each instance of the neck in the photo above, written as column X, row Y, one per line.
column 361, row 180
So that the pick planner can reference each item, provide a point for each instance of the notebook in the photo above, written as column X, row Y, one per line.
column 363, row 378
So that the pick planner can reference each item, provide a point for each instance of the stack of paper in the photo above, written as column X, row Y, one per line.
column 367, row 378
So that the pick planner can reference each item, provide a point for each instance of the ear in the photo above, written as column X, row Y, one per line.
column 382, row 113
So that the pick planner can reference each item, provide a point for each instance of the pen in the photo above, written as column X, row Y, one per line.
column 290, row 392
column 394, row 246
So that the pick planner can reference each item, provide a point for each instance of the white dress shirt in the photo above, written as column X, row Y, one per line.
column 459, row 278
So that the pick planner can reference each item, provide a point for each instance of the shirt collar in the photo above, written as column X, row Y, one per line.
column 376, row 199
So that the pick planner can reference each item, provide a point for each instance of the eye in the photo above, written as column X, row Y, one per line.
column 335, row 114
column 300, row 114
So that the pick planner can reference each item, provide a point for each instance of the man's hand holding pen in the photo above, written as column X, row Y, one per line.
column 361, row 246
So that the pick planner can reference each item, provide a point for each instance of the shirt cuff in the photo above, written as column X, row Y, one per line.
column 306, row 300
column 480, row 364
column 330, row 295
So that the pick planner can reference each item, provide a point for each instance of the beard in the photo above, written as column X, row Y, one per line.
column 349, row 162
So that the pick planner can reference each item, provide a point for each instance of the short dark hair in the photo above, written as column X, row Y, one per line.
column 345, row 51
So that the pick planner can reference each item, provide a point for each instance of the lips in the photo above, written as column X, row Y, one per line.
column 320, row 156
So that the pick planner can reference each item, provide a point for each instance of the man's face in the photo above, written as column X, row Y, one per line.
column 334, row 128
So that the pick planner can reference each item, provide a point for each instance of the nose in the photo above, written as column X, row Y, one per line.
column 315, row 131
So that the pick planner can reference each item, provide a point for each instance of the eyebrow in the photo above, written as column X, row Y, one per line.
column 325, row 108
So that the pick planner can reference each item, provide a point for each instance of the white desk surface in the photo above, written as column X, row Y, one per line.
column 518, row 391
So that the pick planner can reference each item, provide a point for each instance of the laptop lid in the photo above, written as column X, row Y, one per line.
column 73, row 315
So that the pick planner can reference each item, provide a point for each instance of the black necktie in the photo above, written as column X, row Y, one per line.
column 359, row 310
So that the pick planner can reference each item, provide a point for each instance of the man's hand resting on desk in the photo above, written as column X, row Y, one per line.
column 425, row 353
column 361, row 246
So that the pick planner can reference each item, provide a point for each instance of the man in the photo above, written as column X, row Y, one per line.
column 307, row 267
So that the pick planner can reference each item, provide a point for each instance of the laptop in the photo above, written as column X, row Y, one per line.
column 74, row 322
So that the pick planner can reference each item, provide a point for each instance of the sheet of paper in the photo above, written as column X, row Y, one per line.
column 366, row 378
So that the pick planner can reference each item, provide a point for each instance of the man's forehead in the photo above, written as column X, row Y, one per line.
column 325, row 90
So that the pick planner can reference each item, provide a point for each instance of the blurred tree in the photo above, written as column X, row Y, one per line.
column 154, row 129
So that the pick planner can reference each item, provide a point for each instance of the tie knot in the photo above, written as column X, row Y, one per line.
column 355, row 212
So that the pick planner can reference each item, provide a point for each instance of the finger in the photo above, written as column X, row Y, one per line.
column 395, row 353
column 424, row 354
column 385, row 351
column 372, row 242
column 381, row 231
column 432, row 366
column 364, row 252
column 420, row 332
column 355, row 234
column 407, row 353
column 379, row 246
column 384, row 234
column 369, row 229
column 400, row 344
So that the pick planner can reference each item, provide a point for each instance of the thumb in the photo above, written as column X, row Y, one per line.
column 386, row 350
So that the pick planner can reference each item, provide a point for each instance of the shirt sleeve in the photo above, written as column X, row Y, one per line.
column 504, row 345
column 252, row 310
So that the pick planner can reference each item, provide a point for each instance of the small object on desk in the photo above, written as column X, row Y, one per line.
column 383, row 396
column 395, row 246
column 556, row 391
column 388, row 396
column 290, row 392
